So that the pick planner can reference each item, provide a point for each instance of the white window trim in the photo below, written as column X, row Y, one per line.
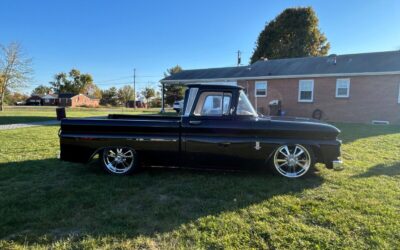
column 348, row 88
column 255, row 88
column 312, row 91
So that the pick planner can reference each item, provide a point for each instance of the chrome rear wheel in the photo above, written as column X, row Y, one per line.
column 292, row 161
column 119, row 160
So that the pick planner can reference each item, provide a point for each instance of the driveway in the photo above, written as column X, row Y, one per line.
column 28, row 124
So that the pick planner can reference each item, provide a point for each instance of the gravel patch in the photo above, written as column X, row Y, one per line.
column 28, row 124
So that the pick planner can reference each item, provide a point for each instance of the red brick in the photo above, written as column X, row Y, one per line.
column 371, row 98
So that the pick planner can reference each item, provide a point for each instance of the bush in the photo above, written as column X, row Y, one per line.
column 155, row 103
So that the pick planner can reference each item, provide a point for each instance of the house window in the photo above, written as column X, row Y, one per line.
column 306, row 90
column 261, row 89
column 342, row 88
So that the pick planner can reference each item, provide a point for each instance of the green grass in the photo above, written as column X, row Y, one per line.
column 45, row 203
column 36, row 114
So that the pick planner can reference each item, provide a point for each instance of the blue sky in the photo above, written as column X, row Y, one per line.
column 109, row 38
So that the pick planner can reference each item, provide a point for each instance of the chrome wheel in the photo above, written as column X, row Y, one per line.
column 292, row 161
column 118, row 160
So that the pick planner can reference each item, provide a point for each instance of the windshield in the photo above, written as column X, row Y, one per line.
column 244, row 106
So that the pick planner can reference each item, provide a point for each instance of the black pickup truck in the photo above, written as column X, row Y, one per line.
column 218, row 127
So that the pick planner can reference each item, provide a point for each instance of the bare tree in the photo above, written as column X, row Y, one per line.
column 15, row 69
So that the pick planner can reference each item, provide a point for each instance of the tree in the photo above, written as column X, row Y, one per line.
column 15, row 69
column 148, row 93
column 293, row 33
column 61, row 84
column 93, row 91
column 109, row 97
column 74, row 82
column 41, row 90
column 173, row 92
column 125, row 94
column 13, row 98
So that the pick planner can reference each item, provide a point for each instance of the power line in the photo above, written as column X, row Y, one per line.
column 121, row 83
column 116, row 79
column 126, row 77
column 112, row 82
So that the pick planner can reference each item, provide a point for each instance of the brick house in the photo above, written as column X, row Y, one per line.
column 80, row 100
column 35, row 100
column 358, row 88
column 50, row 100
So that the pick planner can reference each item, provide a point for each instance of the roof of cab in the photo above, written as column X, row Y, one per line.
column 214, row 86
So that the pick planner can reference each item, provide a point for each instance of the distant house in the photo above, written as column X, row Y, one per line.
column 139, row 104
column 72, row 100
column 361, row 88
column 35, row 100
column 50, row 100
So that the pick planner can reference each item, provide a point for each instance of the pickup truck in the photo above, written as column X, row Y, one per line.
column 218, row 127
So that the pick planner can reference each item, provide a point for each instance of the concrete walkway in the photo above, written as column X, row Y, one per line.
column 28, row 124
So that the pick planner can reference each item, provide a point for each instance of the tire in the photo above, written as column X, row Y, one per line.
column 119, row 160
column 293, row 161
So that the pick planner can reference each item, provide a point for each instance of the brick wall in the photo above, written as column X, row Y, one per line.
column 371, row 98
column 82, row 100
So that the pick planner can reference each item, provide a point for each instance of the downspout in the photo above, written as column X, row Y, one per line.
column 255, row 96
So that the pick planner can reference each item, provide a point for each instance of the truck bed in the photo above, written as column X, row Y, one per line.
column 147, row 134
column 143, row 117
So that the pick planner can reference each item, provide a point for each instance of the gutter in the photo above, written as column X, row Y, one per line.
column 280, row 77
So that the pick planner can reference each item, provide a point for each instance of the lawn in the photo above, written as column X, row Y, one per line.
column 45, row 203
column 36, row 114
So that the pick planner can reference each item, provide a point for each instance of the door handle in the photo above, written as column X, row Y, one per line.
column 224, row 144
column 195, row 122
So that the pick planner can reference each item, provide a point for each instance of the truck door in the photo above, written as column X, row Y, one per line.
column 209, row 132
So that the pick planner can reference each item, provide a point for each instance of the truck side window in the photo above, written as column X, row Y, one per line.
column 213, row 104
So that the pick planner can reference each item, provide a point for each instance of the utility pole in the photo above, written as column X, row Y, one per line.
column 239, row 57
column 134, row 88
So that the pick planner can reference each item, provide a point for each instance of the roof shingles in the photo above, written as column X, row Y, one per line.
column 376, row 62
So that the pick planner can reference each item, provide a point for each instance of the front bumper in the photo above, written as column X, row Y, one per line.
column 337, row 165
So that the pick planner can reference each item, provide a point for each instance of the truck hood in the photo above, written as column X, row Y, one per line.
column 300, row 125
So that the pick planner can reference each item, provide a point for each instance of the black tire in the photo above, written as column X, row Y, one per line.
column 286, row 169
column 329, row 165
column 119, row 160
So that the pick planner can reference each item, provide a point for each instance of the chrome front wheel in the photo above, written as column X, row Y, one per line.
column 292, row 161
column 119, row 160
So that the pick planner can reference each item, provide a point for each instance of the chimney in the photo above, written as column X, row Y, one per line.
column 332, row 58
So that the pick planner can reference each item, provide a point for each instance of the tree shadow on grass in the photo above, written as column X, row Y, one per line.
column 381, row 169
column 46, row 200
